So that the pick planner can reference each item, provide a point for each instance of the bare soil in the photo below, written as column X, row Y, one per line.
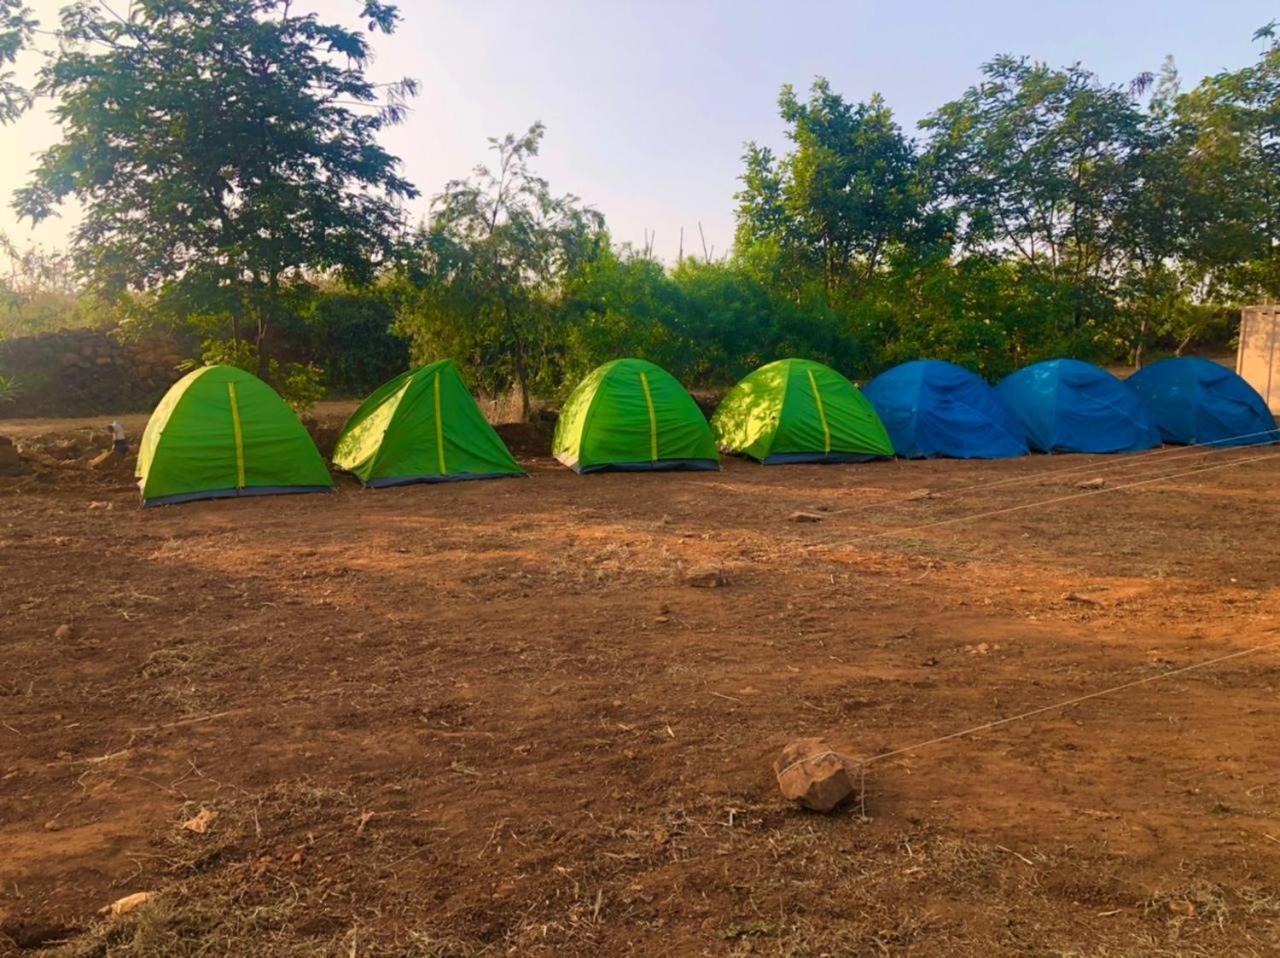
column 494, row 717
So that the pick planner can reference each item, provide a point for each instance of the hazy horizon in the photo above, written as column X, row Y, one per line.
column 648, row 105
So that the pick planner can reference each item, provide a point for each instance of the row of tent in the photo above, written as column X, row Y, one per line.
column 221, row 432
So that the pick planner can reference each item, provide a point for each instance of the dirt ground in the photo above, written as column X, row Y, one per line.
column 494, row 718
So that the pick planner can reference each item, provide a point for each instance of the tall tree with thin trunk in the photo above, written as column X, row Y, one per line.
column 489, row 267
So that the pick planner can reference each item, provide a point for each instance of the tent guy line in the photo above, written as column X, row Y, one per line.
column 1038, row 503
column 1031, row 713
column 1111, row 464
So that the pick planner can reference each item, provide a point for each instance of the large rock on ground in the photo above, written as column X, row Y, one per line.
column 810, row 773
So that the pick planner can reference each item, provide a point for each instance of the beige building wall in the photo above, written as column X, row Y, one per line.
column 1258, row 360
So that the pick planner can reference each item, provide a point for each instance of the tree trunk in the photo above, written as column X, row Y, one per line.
column 252, row 303
column 273, row 297
column 524, row 398
column 522, row 377
column 264, row 367
column 1140, row 347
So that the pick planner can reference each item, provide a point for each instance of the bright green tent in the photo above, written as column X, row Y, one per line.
column 631, row 415
column 422, row 426
column 221, row 432
column 794, row 410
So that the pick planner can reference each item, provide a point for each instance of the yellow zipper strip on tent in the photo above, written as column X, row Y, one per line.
column 439, row 427
column 817, row 397
column 239, row 436
column 653, row 420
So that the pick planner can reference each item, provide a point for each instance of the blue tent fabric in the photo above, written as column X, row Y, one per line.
column 1066, row 405
column 1195, row 401
column 933, row 408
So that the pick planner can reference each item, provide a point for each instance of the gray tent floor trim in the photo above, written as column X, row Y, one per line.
column 389, row 482
column 235, row 494
column 660, row 465
column 916, row 457
column 820, row 458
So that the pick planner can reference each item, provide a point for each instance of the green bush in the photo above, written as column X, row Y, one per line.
column 300, row 384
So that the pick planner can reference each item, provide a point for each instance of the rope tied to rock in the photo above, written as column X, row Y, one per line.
column 861, row 763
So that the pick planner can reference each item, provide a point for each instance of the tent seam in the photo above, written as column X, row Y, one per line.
column 822, row 415
column 238, row 434
column 653, row 419
column 439, row 427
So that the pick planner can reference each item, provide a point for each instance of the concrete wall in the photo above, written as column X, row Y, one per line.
column 1258, row 360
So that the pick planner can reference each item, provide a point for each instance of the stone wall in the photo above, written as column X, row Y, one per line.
column 87, row 372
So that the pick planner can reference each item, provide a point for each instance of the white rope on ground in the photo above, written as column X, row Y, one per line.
column 1039, row 502
column 997, row 723
column 1241, row 653
column 1116, row 462
column 985, row 726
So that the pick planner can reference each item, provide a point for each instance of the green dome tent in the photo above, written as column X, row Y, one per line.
column 422, row 426
column 794, row 410
column 631, row 415
column 221, row 432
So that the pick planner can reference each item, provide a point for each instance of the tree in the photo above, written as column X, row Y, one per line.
column 221, row 149
column 1041, row 164
column 491, row 264
column 1230, row 123
column 348, row 332
column 622, row 303
column 16, row 28
column 845, row 198
column 1157, row 284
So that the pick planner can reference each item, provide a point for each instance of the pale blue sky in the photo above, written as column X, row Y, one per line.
column 648, row 104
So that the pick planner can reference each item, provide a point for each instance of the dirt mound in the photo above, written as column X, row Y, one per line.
column 529, row 440
column 12, row 462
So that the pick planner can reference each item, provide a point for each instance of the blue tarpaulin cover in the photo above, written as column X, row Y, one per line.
column 934, row 408
column 1066, row 405
column 1195, row 401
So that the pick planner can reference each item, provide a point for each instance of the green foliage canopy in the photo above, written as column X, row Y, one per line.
column 220, row 150
column 489, row 267
column 848, row 195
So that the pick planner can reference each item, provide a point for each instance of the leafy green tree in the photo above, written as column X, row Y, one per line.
column 490, row 267
column 621, row 303
column 1155, row 281
column 1041, row 165
column 301, row 385
column 347, row 331
column 1230, row 125
column 707, row 322
column 221, row 149
column 16, row 29
column 846, row 197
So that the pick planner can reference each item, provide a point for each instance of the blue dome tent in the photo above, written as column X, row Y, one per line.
column 1066, row 405
column 1195, row 401
column 934, row 408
